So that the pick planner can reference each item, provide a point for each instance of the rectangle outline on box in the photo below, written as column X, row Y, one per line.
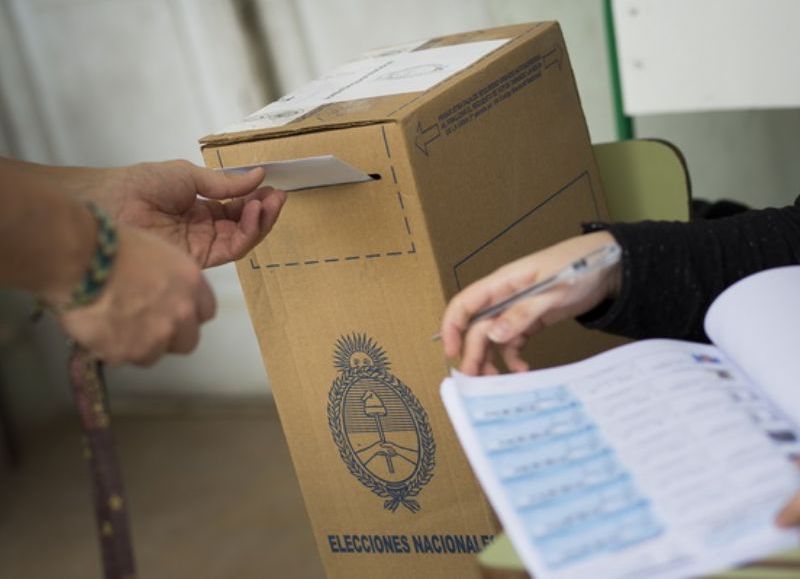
column 367, row 255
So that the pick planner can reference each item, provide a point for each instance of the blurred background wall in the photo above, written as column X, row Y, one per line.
column 111, row 82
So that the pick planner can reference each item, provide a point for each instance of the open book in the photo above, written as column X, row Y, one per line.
column 657, row 459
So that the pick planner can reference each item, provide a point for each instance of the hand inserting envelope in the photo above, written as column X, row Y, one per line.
column 307, row 173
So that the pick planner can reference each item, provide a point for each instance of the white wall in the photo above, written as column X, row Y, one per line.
column 747, row 156
column 718, row 55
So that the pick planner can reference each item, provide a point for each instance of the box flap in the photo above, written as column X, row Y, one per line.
column 382, row 86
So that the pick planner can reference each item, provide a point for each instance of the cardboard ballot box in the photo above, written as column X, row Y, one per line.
column 470, row 151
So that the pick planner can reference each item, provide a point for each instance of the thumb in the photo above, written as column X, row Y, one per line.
column 226, row 185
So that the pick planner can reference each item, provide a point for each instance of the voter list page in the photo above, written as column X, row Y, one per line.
column 658, row 459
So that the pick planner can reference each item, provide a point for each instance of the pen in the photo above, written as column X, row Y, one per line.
column 595, row 260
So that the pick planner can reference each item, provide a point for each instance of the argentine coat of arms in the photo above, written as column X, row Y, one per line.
column 378, row 425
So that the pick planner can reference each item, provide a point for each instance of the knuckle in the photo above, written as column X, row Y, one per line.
column 526, row 311
column 184, row 310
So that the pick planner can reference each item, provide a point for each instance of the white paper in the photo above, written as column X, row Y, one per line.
column 757, row 322
column 655, row 460
column 388, row 71
column 306, row 173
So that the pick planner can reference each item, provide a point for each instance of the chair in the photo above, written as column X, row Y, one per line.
column 642, row 179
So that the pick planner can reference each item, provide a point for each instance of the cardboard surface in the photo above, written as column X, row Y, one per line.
column 345, row 293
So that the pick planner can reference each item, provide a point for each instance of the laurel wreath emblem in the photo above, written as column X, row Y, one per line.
column 396, row 494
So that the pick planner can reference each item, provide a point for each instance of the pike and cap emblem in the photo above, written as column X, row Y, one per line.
column 378, row 425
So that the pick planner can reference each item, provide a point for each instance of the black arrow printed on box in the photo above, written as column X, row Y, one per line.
column 426, row 136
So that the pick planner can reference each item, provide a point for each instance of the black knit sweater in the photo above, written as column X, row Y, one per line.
column 672, row 271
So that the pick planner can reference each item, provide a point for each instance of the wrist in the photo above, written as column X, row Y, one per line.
column 72, row 243
column 86, row 271
column 614, row 282
column 611, row 280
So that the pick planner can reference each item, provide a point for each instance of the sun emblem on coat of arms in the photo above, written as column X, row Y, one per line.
column 378, row 425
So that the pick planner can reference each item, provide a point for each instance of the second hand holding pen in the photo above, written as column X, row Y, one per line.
column 593, row 261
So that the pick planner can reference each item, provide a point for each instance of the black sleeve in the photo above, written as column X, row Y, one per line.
column 672, row 271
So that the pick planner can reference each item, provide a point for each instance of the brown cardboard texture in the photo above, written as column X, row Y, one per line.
column 345, row 293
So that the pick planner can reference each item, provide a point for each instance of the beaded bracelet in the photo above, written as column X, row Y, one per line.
column 100, row 267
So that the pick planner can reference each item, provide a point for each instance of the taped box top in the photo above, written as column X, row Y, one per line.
column 382, row 85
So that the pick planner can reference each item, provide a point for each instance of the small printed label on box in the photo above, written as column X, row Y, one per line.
column 380, row 73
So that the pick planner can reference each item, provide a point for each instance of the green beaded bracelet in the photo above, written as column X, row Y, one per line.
column 100, row 267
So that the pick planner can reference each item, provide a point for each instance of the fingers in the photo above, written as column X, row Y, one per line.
column 256, row 215
column 255, row 218
column 186, row 337
column 219, row 185
column 460, row 310
column 790, row 514
column 183, row 339
column 248, row 228
column 476, row 355
column 507, row 334
column 476, row 344
column 454, row 323
column 154, row 303
column 271, row 207
column 151, row 356
column 521, row 318
column 186, row 327
column 180, row 335
column 510, row 353
column 489, row 368
column 206, row 303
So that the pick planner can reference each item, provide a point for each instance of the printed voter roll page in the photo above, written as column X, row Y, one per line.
column 655, row 460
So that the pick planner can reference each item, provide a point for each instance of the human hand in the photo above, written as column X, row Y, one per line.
column 789, row 516
column 508, row 332
column 163, row 199
column 153, row 302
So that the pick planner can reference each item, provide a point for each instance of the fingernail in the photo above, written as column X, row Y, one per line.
column 499, row 332
column 254, row 170
column 522, row 367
